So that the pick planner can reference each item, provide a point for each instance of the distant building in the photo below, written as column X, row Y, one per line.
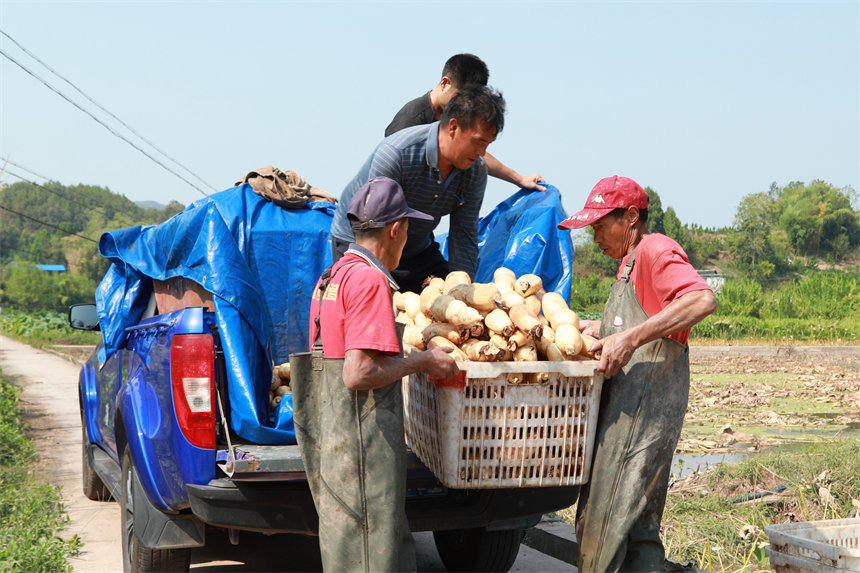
column 55, row 268
column 714, row 278
column 41, row 267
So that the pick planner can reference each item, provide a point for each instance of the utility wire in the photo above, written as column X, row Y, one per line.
column 47, row 224
column 101, row 107
column 57, row 193
column 100, row 122
column 10, row 162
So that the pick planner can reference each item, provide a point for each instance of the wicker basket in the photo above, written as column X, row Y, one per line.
column 484, row 431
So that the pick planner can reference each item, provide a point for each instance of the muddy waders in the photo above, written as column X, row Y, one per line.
column 354, row 452
column 641, row 412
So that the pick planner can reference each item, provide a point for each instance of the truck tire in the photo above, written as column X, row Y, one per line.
column 94, row 487
column 478, row 549
column 135, row 557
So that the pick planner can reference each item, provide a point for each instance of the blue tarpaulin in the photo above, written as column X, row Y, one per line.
column 261, row 261
column 521, row 234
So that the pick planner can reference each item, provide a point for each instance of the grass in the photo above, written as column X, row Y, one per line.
column 708, row 520
column 32, row 514
column 43, row 329
column 702, row 524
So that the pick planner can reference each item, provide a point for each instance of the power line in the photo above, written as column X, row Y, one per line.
column 10, row 162
column 47, row 224
column 100, row 122
column 101, row 107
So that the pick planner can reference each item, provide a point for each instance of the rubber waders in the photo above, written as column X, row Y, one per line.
column 641, row 412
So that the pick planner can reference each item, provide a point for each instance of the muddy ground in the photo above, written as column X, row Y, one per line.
column 756, row 397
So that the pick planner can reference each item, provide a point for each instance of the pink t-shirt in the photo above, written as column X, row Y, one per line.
column 357, row 310
column 661, row 273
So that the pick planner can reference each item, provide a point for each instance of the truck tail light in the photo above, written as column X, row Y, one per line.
column 192, row 365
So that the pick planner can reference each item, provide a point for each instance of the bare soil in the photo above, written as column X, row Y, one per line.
column 741, row 399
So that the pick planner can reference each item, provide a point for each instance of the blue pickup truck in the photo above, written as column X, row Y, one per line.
column 177, row 424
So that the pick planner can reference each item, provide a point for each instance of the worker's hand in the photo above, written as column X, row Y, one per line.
column 615, row 351
column 440, row 364
column 532, row 182
column 590, row 327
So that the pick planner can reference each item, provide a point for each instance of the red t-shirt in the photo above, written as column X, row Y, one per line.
column 357, row 310
column 661, row 273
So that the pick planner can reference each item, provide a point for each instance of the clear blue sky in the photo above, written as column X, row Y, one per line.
column 705, row 102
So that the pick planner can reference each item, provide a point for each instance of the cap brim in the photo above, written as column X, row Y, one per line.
column 583, row 218
column 414, row 214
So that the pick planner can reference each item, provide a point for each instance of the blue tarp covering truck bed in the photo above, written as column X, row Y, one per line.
column 260, row 263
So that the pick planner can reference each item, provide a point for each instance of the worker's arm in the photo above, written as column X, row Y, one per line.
column 501, row 171
column 369, row 369
column 590, row 327
column 680, row 314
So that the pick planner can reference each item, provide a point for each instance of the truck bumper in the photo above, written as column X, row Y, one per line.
column 287, row 507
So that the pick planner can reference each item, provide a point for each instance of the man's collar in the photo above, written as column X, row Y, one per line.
column 373, row 262
column 433, row 145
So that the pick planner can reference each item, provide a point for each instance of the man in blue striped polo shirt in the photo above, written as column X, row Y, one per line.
column 442, row 172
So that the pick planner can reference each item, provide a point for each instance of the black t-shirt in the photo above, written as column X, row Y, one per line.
column 417, row 112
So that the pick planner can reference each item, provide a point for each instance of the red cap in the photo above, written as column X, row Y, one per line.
column 610, row 193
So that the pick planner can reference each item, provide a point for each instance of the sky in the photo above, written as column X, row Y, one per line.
column 704, row 102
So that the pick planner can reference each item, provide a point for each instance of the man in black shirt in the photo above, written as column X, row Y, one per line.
column 460, row 71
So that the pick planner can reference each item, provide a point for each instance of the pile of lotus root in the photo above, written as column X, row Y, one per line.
column 511, row 318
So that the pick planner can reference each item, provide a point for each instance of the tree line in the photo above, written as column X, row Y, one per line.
column 60, row 225
column 777, row 235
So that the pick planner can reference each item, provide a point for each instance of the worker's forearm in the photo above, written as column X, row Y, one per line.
column 501, row 171
column 681, row 314
column 366, row 371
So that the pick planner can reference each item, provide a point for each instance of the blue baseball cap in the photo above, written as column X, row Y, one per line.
column 381, row 201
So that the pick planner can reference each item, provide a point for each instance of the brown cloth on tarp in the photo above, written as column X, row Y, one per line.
column 284, row 188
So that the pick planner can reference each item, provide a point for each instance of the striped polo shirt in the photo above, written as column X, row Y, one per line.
column 411, row 157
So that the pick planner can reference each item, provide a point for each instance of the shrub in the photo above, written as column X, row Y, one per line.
column 740, row 298
column 821, row 294
column 588, row 293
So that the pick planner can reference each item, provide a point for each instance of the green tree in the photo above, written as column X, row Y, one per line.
column 46, row 249
column 25, row 287
column 749, row 242
column 675, row 229
column 815, row 216
column 655, row 212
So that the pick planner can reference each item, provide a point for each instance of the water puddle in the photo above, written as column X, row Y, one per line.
column 685, row 464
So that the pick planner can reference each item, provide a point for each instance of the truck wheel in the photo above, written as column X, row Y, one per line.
column 478, row 549
column 135, row 557
column 94, row 487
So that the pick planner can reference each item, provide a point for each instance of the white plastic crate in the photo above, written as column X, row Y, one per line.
column 492, row 433
column 820, row 546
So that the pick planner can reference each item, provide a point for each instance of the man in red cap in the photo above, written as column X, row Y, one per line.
column 654, row 302
column 348, row 404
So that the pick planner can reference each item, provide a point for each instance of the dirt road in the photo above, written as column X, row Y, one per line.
column 50, row 401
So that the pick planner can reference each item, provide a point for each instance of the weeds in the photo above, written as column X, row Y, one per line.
column 43, row 329
column 701, row 523
column 31, row 511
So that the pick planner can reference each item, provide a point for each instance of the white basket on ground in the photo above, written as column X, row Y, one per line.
column 820, row 546
column 492, row 433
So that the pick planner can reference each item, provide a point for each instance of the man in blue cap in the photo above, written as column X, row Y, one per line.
column 349, row 406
